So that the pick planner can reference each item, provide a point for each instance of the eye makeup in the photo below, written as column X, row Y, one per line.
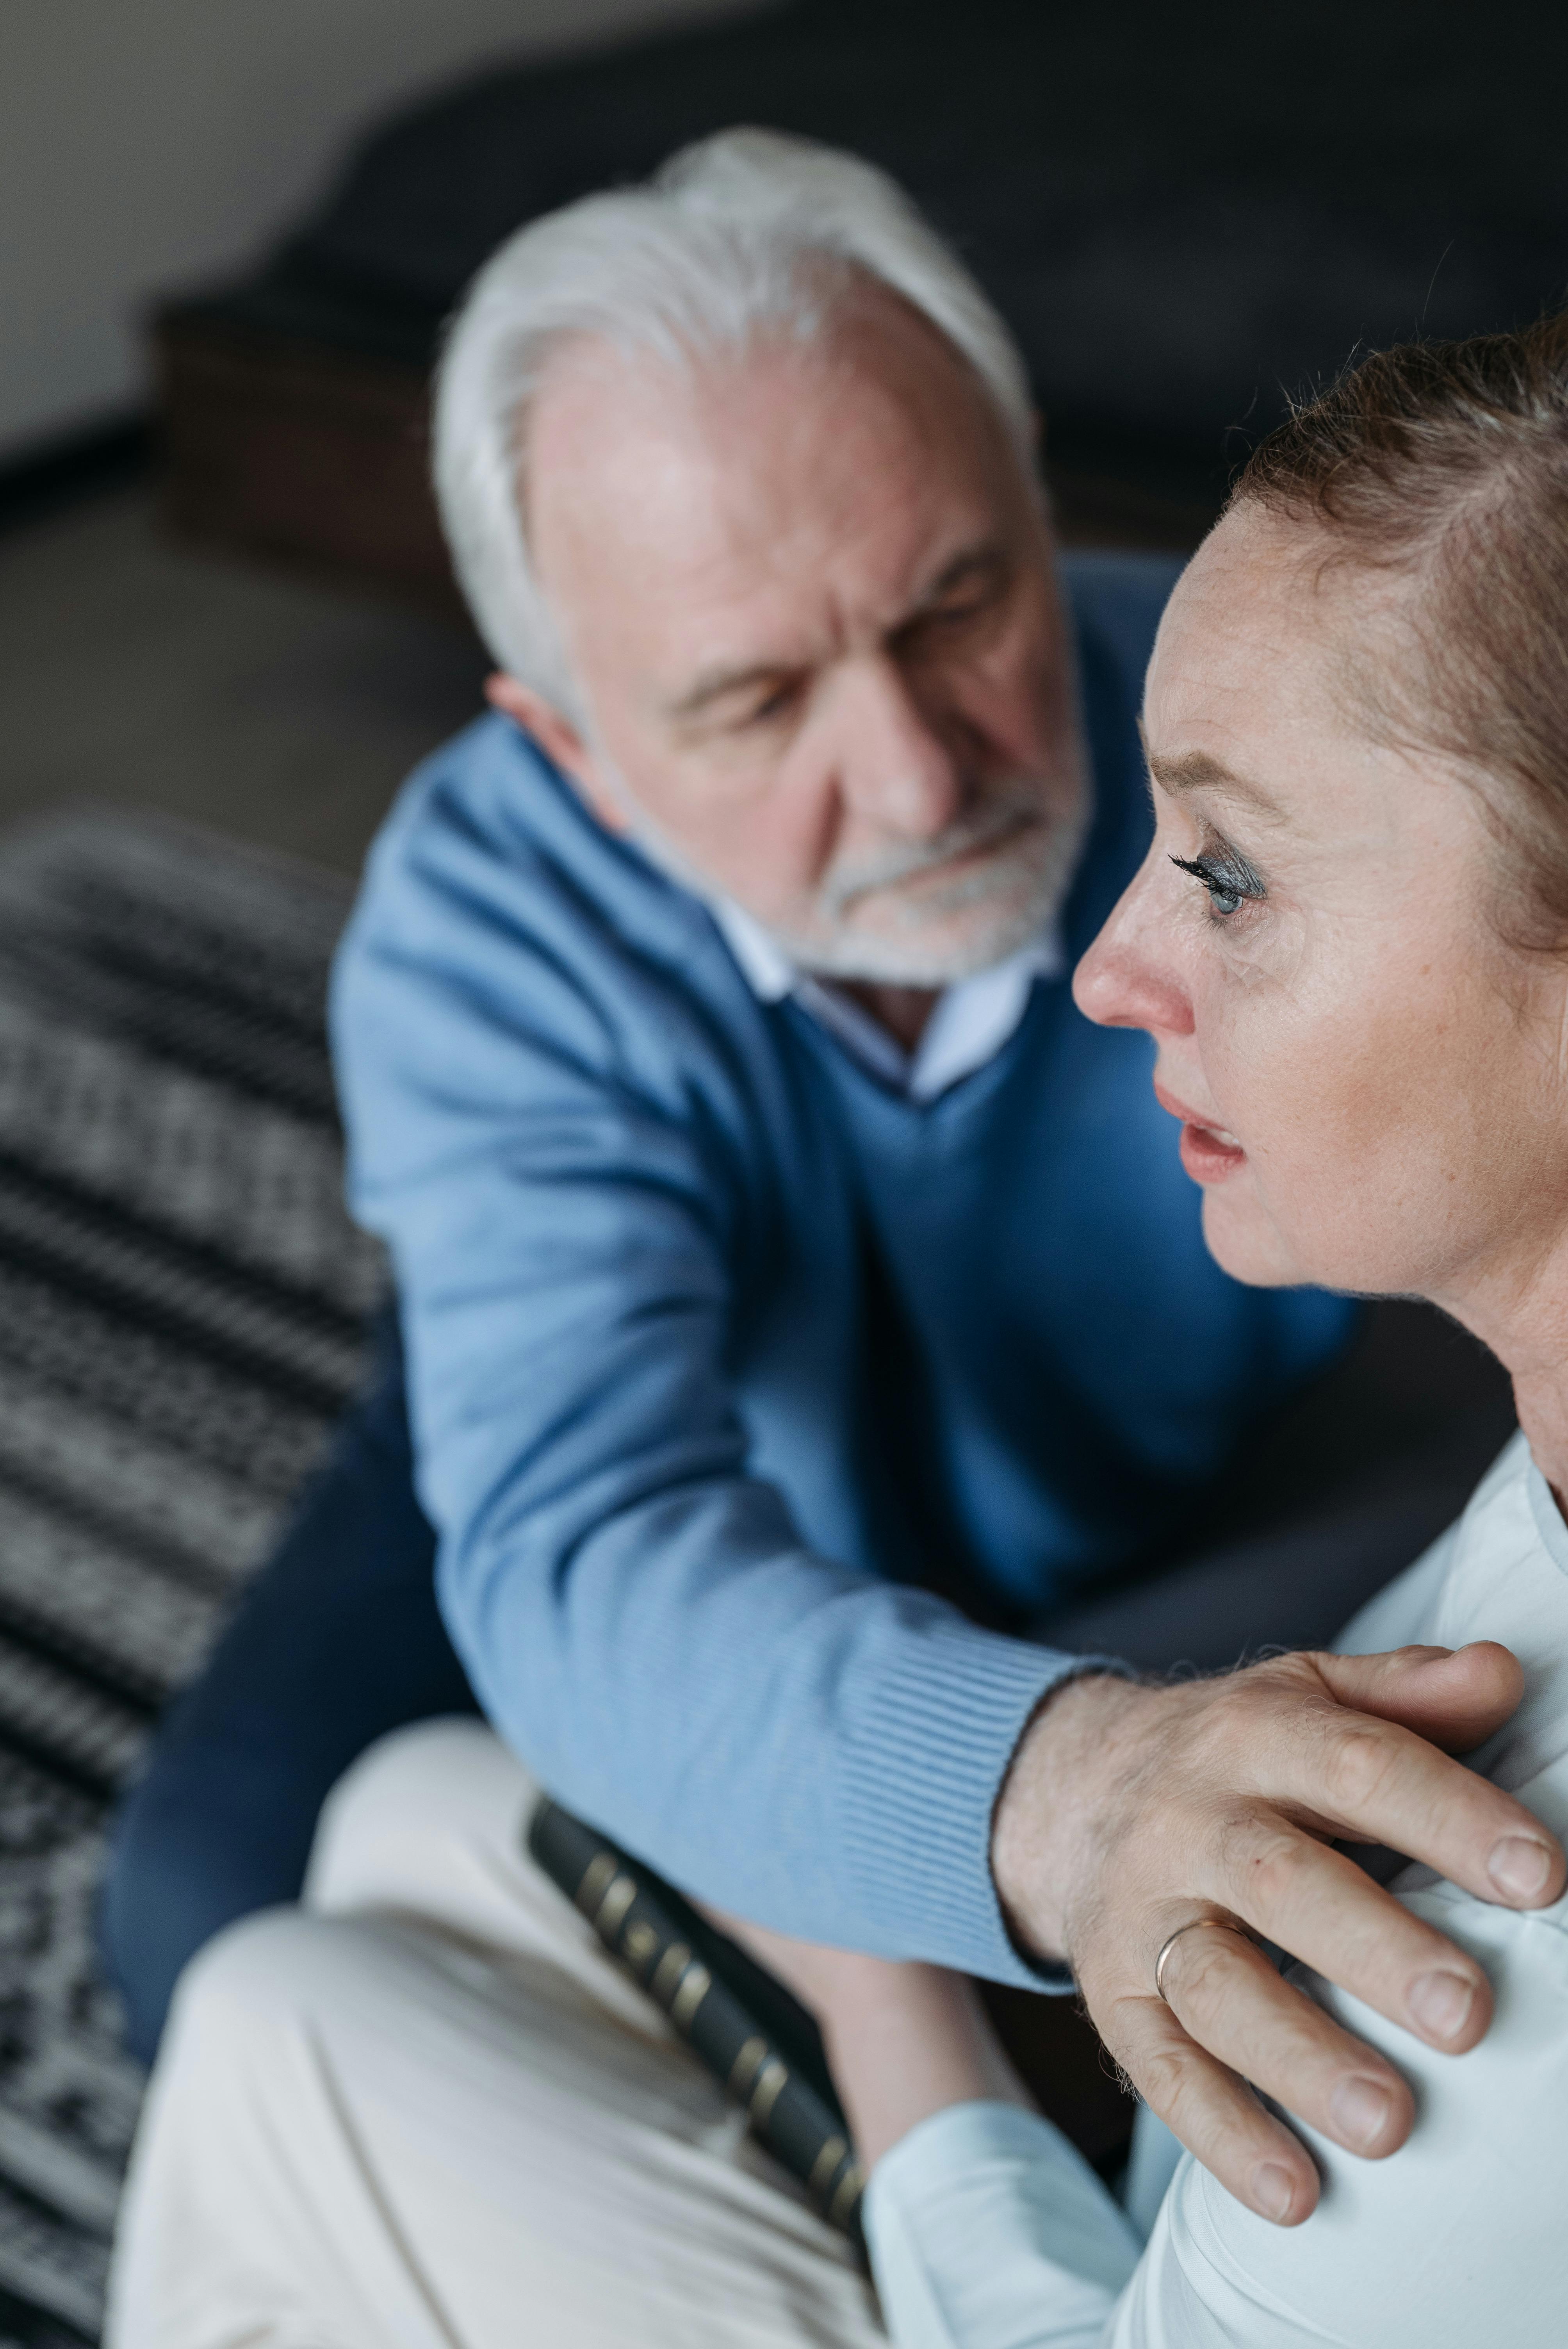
column 1228, row 877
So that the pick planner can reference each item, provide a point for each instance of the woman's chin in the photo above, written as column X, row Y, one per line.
column 1246, row 1241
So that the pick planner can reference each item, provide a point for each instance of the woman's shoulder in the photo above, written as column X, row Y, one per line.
column 1461, row 1570
column 1456, row 2237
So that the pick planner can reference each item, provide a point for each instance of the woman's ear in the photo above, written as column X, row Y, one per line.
column 560, row 742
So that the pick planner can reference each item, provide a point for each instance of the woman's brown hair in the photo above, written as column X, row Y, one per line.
column 1449, row 462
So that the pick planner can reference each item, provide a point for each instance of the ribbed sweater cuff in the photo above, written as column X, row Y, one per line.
column 938, row 1733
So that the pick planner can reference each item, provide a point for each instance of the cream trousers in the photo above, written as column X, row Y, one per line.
column 426, row 2111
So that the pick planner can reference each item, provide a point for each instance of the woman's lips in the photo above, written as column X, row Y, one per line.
column 1208, row 1156
column 1208, row 1153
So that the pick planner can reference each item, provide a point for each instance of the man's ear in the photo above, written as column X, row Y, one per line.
column 559, row 740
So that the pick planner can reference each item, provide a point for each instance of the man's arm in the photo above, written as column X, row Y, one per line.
column 638, row 1612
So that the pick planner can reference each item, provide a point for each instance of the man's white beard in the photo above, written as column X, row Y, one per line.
column 1016, row 893
column 1027, row 885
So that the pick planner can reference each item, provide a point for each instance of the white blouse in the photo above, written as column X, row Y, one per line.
column 988, row 2231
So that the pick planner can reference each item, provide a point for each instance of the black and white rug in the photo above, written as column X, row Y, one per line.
column 181, row 1307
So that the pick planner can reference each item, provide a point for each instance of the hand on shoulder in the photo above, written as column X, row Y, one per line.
column 1141, row 1826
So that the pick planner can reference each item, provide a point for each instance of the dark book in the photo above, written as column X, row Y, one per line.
column 751, row 2033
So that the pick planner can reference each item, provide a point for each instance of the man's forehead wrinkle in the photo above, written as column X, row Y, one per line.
column 793, row 563
column 866, row 375
column 654, row 460
column 704, row 528
column 592, row 437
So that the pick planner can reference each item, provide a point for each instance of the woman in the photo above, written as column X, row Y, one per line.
column 1349, row 943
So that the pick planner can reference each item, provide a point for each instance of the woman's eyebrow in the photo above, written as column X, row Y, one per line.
column 1197, row 770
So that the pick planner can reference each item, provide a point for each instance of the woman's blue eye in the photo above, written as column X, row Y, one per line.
column 1228, row 884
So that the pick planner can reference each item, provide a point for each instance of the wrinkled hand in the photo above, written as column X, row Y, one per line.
column 1130, row 1811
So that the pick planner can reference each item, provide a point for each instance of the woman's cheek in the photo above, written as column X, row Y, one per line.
column 1271, row 1046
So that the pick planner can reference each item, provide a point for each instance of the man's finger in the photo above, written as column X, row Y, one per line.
column 1230, row 2000
column 1353, row 1774
column 1453, row 1697
column 1318, row 1904
column 1215, row 2114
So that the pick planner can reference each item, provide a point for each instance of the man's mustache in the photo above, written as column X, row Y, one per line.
column 1005, row 816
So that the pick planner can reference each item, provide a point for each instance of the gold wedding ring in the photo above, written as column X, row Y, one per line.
column 1225, row 1924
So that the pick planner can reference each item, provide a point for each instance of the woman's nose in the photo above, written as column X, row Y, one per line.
column 1124, row 980
column 897, row 771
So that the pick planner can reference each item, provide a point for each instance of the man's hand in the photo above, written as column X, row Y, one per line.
column 1132, row 1811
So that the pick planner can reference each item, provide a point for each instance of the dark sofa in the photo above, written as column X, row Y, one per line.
column 1186, row 214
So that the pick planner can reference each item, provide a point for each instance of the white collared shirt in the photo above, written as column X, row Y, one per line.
column 971, row 1021
column 988, row 2230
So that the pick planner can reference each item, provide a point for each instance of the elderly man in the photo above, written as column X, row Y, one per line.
column 781, row 1258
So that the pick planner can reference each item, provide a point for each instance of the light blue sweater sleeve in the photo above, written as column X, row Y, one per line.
column 778, row 1733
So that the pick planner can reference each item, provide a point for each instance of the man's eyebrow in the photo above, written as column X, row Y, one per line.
column 988, row 556
column 716, row 684
column 1195, row 770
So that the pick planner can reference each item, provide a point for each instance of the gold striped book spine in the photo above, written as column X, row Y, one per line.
column 680, row 1963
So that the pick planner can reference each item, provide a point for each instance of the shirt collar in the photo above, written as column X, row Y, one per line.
column 971, row 1021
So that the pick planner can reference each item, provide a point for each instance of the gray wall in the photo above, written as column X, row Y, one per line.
column 146, row 144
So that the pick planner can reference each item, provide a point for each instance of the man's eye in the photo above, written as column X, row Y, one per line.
column 952, row 619
column 776, row 703
column 1229, row 881
column 976, row 608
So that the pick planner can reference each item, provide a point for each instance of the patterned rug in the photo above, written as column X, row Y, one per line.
column 181, row 1304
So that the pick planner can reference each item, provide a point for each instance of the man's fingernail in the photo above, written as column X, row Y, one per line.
column 1441, row 2003
column 1519, row 1866
column 1274, row 2189
column 1359, row 2111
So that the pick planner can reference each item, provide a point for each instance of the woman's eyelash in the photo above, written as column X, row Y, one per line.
column 1229, row 879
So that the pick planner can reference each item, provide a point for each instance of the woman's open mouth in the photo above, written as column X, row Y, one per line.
column 1208, row 1153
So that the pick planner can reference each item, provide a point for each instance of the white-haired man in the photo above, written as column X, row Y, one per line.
column 773, row 1239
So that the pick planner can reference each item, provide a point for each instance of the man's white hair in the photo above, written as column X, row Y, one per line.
column 746, row 234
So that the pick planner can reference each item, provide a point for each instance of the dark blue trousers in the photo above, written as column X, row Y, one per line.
column 338, row 1640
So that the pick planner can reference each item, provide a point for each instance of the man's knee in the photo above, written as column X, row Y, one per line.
column 431, row 1826
column 255, row 1995
column 417, row 1803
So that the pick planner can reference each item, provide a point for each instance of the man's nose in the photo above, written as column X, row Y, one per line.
column 1125, row 980
column 894, row 767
